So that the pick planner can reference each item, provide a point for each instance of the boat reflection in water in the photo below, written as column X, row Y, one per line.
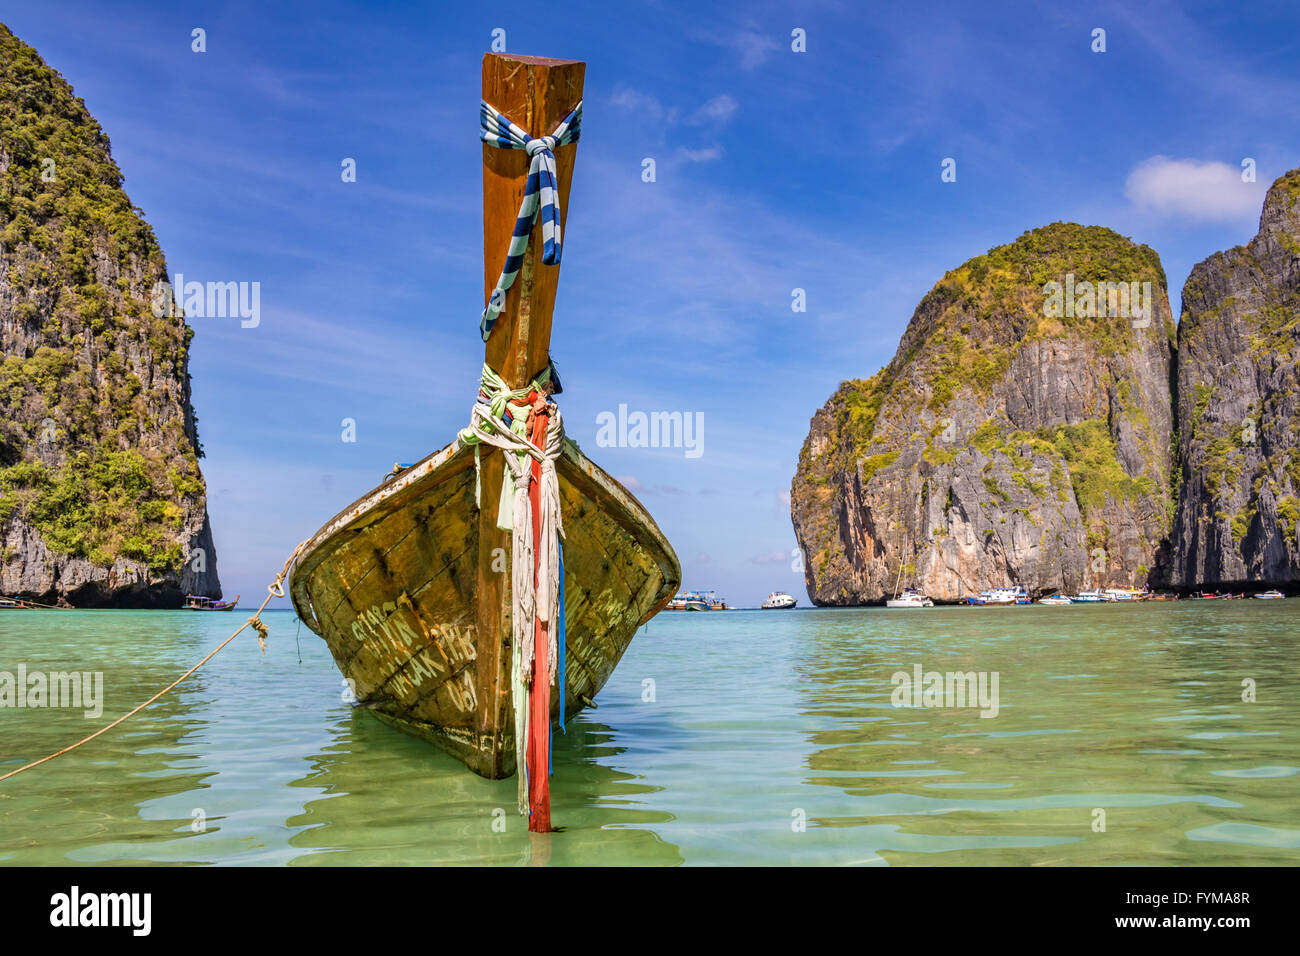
column 387, row 799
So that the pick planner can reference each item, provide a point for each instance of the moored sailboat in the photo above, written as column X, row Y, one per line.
column 907, row 597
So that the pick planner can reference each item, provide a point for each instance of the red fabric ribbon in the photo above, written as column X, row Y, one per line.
column 539, row 695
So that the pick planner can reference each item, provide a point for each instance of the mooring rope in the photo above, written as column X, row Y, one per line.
column 487, row 426
column 506, row 408
column 276, row 589
column 499, row 418
column 540, row 192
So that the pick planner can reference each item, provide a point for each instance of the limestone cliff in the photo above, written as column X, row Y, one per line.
column 101, row 497
column 1021, row 434
column 1239, row 407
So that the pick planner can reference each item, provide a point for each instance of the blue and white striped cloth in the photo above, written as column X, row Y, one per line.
column 540, row 192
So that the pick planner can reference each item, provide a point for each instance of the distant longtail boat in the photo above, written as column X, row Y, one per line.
column 198, row 602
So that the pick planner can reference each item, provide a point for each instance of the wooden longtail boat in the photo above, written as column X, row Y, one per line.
column 406, row 584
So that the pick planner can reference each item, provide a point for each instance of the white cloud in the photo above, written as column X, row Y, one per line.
column 753, row 48
column 638, row 487
column 701, row 155
column 692, row 233
column 649, row 106
column 716, row 111
column 1192, row 189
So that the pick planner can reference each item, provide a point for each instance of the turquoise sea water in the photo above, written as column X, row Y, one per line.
column 741, row 737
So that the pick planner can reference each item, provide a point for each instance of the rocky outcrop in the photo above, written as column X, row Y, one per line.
column 1021, row 434
column 101, row 497
column 1239, row 407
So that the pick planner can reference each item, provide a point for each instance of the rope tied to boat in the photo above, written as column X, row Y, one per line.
column 541, row 194
column 488, row 425
column 275, row 589
column 505, row 407
column 257, row 624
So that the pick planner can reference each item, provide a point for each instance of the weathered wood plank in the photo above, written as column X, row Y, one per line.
column 537, row 93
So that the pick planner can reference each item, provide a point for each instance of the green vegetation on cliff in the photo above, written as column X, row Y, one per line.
column 1030, row 420
column 993, row 305
column 1086, row 449
column 97, row 463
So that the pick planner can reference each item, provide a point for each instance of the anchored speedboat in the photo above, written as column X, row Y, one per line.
column 1000, row 597
column 779, row 601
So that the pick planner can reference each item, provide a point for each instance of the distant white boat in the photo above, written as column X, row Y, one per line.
column 779, row 601
column 1270, row 595
column 1056, row 600
column 999, row 596
column 1088, row 597
column 909, row 597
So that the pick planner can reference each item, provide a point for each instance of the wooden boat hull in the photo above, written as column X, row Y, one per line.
column 391, row 584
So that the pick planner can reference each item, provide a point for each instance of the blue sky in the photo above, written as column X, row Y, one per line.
column 776, row 170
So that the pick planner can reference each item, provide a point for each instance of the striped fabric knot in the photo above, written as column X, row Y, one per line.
column 540, row 194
